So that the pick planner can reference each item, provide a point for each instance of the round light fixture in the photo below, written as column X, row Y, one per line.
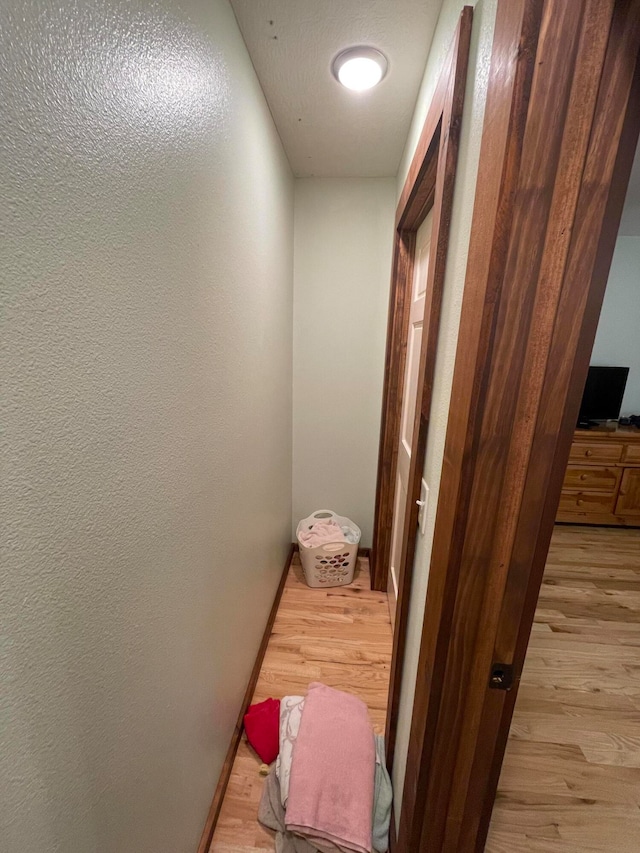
column 359, row 68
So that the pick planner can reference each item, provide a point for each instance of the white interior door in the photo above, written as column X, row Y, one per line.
column 409, row 396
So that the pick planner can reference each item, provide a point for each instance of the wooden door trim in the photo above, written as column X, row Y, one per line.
column 560, row 130
column 429, row 184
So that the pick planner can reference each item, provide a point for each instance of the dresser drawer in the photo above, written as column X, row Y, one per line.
column 632, row 454
column 586, row 502
column 594, row 452
column 591, row 478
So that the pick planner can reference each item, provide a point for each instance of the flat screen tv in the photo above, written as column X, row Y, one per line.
column 603, row 393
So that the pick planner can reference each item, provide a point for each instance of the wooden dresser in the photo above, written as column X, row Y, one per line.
column 602, row 481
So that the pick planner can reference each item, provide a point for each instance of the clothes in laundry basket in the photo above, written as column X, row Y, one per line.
column 321, row 533
column 351, row 536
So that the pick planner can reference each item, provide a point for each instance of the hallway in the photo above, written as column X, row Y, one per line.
column 340, row 636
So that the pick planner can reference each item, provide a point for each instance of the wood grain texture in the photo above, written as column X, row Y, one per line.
column 602, row 482
column 560, row 119
column 571, row 776
column 225, row 773
column 452, row 82
column 605, row 176
column 340, row 636
column 393, row 385
column 513, row 56
column 429, row 183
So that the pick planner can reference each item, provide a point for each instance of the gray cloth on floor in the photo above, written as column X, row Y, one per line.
column 271, row 815
column 382, row 800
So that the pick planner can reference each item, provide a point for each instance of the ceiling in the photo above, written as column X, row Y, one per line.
column 327, row 130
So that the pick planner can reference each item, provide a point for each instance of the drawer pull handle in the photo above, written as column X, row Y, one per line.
column 579, row 502
column 583, row 476
column 588, row 453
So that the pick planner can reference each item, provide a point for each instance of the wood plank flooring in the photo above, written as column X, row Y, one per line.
column 571, row 778
column 340, row 636
column 570, row 782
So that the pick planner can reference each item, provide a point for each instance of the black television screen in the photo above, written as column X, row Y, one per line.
column 603, row 392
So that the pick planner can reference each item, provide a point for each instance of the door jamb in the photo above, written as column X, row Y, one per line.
column 429, row 185
column 561, row 126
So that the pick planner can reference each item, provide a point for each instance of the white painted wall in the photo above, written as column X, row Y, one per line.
column 630, row 222
column 475, row 97
column 146, row 257
column 616, row 343
column 342, row 263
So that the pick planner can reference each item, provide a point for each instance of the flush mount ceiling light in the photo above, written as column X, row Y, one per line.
column 359, row 68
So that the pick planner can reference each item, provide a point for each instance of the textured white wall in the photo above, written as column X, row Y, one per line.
column 146, row 258
column 342, row 262
column 616, row 343
column 475, row 97
column 630, row 222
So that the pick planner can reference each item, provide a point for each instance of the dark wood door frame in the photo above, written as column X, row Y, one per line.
column 561, row 126
column 429, row 184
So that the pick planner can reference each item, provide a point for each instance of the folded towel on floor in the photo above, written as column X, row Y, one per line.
column 291, row 708
column 271, row 815
column 332, row 775
column 271, row 811
column 321, row 533
column 261, row 724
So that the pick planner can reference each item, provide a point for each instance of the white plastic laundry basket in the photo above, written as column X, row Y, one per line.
column 333, row 563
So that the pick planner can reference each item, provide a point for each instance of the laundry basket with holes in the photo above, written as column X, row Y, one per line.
column 332, row 563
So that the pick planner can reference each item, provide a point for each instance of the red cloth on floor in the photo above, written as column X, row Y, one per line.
column 262, row 725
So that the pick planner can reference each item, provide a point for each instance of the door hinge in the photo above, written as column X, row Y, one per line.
column 501, row 676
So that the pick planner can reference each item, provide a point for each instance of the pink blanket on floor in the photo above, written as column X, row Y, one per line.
column 333, row 769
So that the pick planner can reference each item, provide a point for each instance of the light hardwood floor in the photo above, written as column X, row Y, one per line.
column 340, row 636
column 571, row 778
